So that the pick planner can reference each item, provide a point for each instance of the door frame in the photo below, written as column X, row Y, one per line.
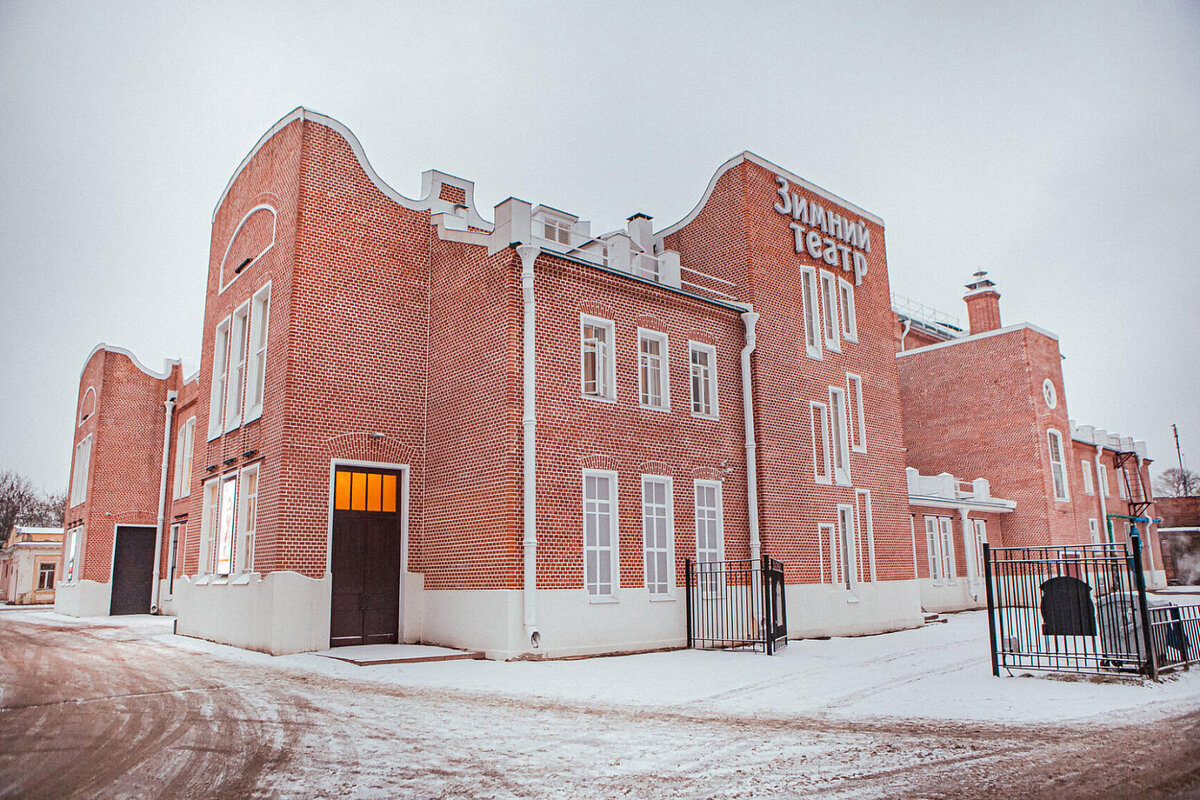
column 403, row 469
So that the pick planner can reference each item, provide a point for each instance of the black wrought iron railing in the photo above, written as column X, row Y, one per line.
column 736, row 604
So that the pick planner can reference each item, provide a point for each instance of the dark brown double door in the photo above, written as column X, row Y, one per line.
column 365, row 561
column 132, row 570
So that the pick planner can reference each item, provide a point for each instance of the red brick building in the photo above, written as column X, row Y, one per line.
column 411, row 423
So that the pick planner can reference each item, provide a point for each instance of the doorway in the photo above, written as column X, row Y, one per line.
column 133, row 565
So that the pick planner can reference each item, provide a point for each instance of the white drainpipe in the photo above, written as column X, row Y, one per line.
column 749, row 318
column 528, row 254
column 907, row 324
column 1100, row 490
column 169, row 404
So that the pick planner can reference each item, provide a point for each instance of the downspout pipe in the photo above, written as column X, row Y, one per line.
column 1100, row 491
column 907, row 325
column 169, row 405
column 528, row 254
column 749, row 318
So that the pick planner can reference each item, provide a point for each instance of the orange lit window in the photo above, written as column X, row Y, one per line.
column 364, row 491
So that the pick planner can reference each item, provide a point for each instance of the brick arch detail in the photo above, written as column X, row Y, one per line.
column 361, row 447
column 707, row 474
column 651, row 323
column 598, row 461
column 655, row 468
column 704, row 337
column 597, row 310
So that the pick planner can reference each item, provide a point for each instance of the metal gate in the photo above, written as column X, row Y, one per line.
column 1081, row 609
column 736, row 605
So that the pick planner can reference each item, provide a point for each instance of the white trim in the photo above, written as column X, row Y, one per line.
column 859, row 423
column 608, row 365
column 840, row 431
column 1049, row 394
column 993, row 507
column 253, row 412
column 849, row 312
column 95, row 406
column 430, row 202
column 1062, row 465
column 977, row 336
column 711, row 351
column 813, row 406
column 792, row 178
column 811, row 312
column 614, row 535
column 830, row 314
column 1085, row 468
column 866, row 521
column 221, row 284
column 720, row 519
column 664, row 369
column 233, row 409
column 670, row 504
column 847, row 562
column 216, row 421
column 108, row 348
column 822, row 529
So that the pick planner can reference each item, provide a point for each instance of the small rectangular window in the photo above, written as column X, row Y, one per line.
column 829, row 312
column 818, row 415
column 557, row 231
column 1086, row 467
column 703, row 359
column 45, row 575
column 597, row 371
column 1058, row 470
column 256, row 376
column 858, row 422
column 838, row 436
column 1094, row 531
column 600, row 533
column 812, row 312
column 657, row 536
column 1102, row 478
column 653, row 381
column 849, row 318
column 216, row 398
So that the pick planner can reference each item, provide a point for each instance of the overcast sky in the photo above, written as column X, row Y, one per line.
column 1055, row 145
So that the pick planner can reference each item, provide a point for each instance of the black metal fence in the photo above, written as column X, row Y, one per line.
column 736, row 605
column 1081, row 609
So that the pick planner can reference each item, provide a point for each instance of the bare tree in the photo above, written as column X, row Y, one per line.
column 1175, row 482
column 16, row 496
column 45, row 510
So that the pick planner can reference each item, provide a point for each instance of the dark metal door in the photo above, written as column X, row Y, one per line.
column 365, row 564
column 133, row 566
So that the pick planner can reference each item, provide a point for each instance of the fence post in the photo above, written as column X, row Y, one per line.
column 687, row 582
column 766, row 610
column 987, row 579
column 1140, row 581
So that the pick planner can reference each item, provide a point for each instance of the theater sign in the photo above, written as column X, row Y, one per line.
column 824, row 234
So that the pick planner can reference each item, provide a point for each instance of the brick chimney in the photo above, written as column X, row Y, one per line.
column 983, row 304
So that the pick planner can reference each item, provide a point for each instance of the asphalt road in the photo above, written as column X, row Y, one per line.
column 94, row 710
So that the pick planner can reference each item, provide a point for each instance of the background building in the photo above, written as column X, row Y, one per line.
column 30, row 563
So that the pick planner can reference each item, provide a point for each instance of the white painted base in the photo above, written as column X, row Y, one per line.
column 277, row 613
column 961, row 595
column 166, row 602
column 1156, row 579
column 83, row 599
column 815, row 609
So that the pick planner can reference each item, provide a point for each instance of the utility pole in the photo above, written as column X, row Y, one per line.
column 1178, row 452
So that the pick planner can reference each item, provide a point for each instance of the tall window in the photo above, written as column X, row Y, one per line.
column 827, row 538
column 710, row 535
column 653, row 383
column 1087, row 476
column 1122, row 491
column 223, row 563
column 980, row 527
column 79, row 472
column 866, row 529
column 819, row 420
column 845, row 552
column 597, row 372
column 216, row 398
column 838, row 436
column 1057, row 468
column 849, row 318
column 947, row 531
column 256, row 376
column 184, row 444
column 45, row 575
column 858, row 422
column 209, row 523
column 812, row 312
column 656, row 534
column 173, row 556
column 235, row 388
column 600, row 533
column 829, row 311
column 74, row 538
column 703, row 360
column 939, row 540
column 1102, row 477
column 247, row 520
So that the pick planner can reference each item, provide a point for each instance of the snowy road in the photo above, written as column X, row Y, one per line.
column 121, row 709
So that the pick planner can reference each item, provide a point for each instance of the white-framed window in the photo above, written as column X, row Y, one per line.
column 939, row 541
column 866, row 532
column 653, row 376
column 216, row 397
column 844, row 555
column 46, row 575
column 658, row 535
column 173, row 555
column 211, row 490
column 830, row 329
column 597, row 372
column 74, row 540
column 1122, row 491
column 980, row 530
column 858, row 422
column 947, row 530
column 812, row 311
column 235, row 385
column 839, row 436
column 226, row 513
column 185, row 442
column 557, row 230
column 1094, row 531
column 256, row 374
column 1086, row 468
column 247, row 520
column 818, row 414
column 826, row 538
column 849, row 317
column 1058, row 469
column 1102, row 479
column 600, row 534
column 1049, row 394
column 710, row 534
column 703, row 360
column 80, row 469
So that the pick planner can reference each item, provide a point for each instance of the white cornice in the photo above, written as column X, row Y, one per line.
column 746, row 155
column 976, row 337
column 995, row 506
column 168, row 363
column 428, row 203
